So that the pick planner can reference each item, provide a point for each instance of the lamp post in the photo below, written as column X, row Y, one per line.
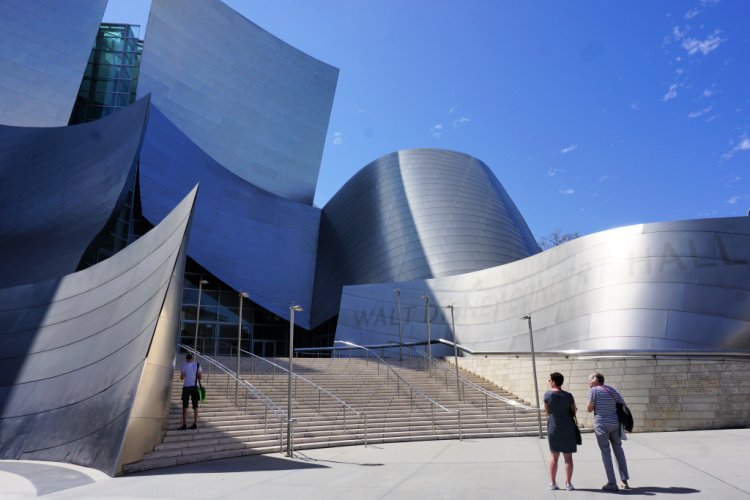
column 533, row 368
column 239, row 343
column 289, row 447
column 427, row 318
column 455, row 351
column 198, row 313
column 400, row 334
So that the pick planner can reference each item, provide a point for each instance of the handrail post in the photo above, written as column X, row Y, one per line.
column 365, row 414
column 460, row 430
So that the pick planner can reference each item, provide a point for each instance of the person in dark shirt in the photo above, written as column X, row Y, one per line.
column 559, row 406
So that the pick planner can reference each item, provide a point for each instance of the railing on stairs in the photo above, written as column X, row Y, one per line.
column 344, row 405
column 434, row 366
column 399, row 380
column 250, row 391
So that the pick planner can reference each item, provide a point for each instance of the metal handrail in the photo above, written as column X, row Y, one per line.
column 254, row 391
column 474, row 385
column 413, row 389
column 297, row 375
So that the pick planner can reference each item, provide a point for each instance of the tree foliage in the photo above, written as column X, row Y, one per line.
column 555, row 238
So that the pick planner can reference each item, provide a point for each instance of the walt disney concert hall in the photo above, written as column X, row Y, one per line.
column 159, row 189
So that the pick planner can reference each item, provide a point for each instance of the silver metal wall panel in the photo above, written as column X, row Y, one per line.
column 45, row 47
column 255, row 104
column 666, row 286
column 62, row 186
column 415, row 214
column 71, row 367
column 253, row 240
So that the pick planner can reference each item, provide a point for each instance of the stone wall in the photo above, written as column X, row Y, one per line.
column 664, row 394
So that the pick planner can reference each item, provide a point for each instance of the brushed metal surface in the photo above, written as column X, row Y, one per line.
column 62, row 184
column 45, row 47
column 252, row 102
column 69, row 383
column 415, row 214
column 253, row 240
column 676, row 286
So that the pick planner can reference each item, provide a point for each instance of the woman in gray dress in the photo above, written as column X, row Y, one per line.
column 560, row 429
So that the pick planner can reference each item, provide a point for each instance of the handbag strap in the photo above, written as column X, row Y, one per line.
column 197, row 380
column 612, row 395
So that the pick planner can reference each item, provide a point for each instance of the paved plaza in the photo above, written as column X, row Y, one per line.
column 677, row 465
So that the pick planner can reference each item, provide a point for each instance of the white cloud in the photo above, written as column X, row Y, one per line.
column 570, row 148
column 708, row 92
column 604, row 178
column 437, row 130
column 337, row 138
column 461, row 121
column 742, row 145
column 693, row 45
column 695, row 114
column 554, row 171
column 733, row 200
column 671, row 93
column 635, row 106
column 676, row 33
column 450, row 111
column 567, row 191
column 360, row 110
column 692, row 13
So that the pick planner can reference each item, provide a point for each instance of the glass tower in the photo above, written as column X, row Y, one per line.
column 111, row 76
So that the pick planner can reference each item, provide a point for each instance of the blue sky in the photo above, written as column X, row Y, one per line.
column 592, row 114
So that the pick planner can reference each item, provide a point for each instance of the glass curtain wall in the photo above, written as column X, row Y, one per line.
column 219, row 321
column 111, row 75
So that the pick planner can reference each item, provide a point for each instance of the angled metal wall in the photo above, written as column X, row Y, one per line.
column 62, row 186
column 253, row 240
column 653, row 287
column 74, row 350
column 255, row 104
column 45, row 47
column 415, row 214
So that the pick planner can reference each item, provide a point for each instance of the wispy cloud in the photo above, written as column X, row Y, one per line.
column 554, row 171
column 338, row 138
column 604, row 178
column 695, row 114
column 672, row 92
column 693, row 45
column 360, row 110
column 635, row 106
column 461, row 121
column 692, row 13
column 733, row 200
column 568, row 149
column 567, row 191
column 742, row 145
column 450, row 111
column 437, row 130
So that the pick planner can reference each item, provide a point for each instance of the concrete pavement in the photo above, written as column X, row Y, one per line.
column 691, row 465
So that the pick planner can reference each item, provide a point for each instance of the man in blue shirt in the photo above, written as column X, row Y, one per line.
column 602, row 399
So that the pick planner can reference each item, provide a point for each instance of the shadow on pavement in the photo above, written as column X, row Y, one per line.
column 647, row 490
column 239, row 464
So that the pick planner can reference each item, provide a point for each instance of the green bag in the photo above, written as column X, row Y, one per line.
column 201, row 389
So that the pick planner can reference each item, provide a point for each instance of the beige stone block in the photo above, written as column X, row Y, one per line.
column 689, row 399
column 640, row 370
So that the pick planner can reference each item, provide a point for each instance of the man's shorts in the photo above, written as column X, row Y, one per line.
column 190, row 393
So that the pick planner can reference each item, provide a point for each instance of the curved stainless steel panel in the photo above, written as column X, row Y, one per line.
column 251, row 239
column 665, row 286
column 45, row 47
column 63, row 184
column 255, row 104
column 74, row 350
column 415, row 214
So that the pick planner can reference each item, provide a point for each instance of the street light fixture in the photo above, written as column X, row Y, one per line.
column 198, row 313
column 533, row 368
column 290, row 374
column 243, row 295
column 400, row 334
column 427, row 319
column 455, row 351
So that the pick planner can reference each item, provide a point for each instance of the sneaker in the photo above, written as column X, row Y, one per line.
column 624, row 485
column 610, row 487
column 183, row 427
column 193, row 427
column 569, row 487
column 554, row 487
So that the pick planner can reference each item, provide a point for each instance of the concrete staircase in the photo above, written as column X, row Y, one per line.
column 395, row 409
